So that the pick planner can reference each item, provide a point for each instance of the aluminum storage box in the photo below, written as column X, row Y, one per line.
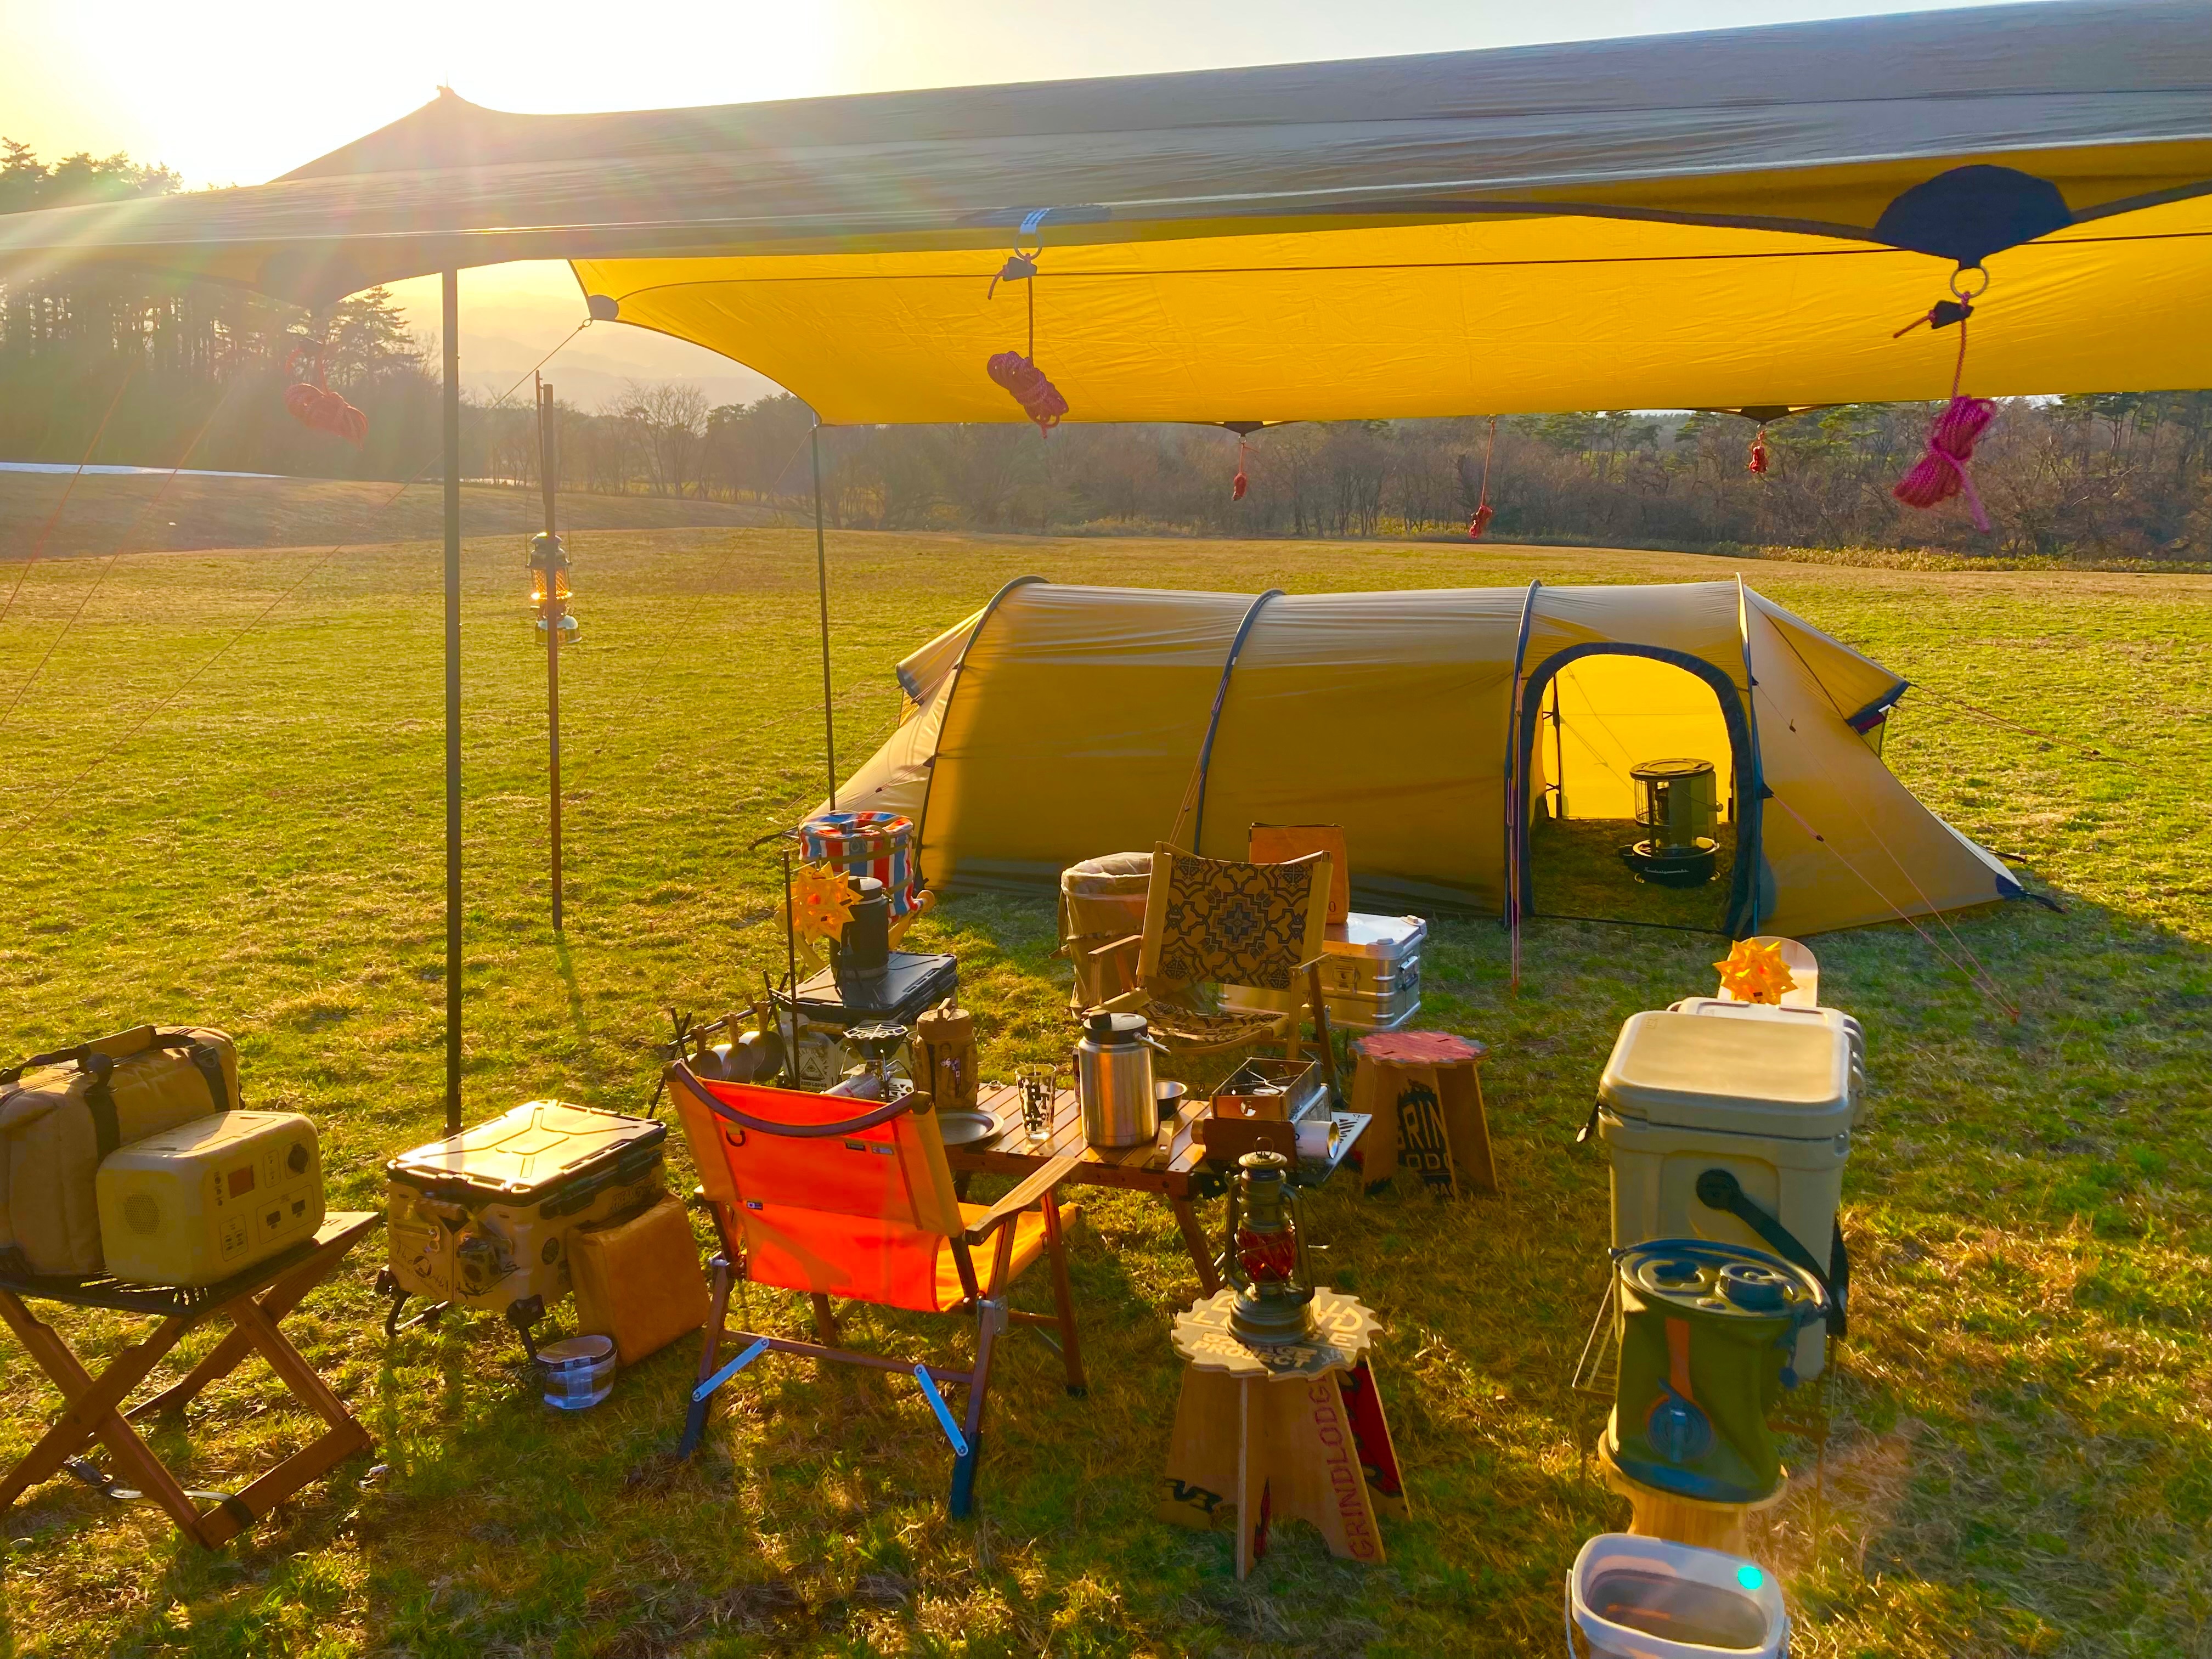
column 482, row 1219
column 1371, row 979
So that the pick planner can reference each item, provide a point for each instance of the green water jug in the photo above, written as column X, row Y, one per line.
column 1707, row 1335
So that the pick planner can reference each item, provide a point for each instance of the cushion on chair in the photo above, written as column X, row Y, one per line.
column 1174, row 1023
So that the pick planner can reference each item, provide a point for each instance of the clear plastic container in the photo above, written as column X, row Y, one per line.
column 1646, row 1598
column 578, row 1372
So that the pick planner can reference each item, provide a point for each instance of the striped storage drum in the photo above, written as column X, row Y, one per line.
column 878, row 844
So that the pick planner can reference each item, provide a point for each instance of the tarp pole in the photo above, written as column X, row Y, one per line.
column 822, row 582
column 554, row 611
column 452, row 284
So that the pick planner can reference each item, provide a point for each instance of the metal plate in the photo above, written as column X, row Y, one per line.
column 965, row 1129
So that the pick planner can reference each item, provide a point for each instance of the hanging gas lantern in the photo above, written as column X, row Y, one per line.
column 1267, row 1265
column 548, row 586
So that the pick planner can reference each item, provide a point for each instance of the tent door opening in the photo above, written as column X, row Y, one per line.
column 1599, row 723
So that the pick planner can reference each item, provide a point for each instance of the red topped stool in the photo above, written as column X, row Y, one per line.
column 1423, row 1095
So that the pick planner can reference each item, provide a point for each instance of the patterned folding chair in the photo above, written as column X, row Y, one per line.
column 840, row 1197
column 1212, row 922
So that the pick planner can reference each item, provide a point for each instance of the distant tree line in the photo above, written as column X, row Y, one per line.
column 193, row 375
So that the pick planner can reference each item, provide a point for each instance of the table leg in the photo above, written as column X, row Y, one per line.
column 288, row 1363
column 1481, row 1164
column 277, row 1301
column 1316, row 1465
column 1200, row 1482
column 1201, row 1247
column 1252, row 1506
column 91, row 1411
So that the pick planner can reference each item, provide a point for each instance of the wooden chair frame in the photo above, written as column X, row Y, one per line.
column 1307, row 999
column 984, row 1297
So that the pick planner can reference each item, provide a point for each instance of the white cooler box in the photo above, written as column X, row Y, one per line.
column 1371, row 980
column 1768, row 1095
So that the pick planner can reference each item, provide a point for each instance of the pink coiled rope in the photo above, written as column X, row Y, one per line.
column 1940, row 471
column 1039, row 399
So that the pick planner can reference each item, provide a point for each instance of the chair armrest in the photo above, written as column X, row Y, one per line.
column 1118, row 944
column 1025, row 1193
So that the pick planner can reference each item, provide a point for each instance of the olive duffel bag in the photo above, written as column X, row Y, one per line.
column 61, row 1113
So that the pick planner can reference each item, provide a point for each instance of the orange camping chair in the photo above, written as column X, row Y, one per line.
column 841, row 1196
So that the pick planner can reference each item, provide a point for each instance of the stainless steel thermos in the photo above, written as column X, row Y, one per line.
column 1114, row 1080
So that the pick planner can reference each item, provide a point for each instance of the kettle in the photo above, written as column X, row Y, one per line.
column 1113, row 1079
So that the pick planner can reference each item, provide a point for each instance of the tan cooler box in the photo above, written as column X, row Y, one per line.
column 484, row 1218
column 1788, row 1013
column 1370, row 979
column 1735, row 1129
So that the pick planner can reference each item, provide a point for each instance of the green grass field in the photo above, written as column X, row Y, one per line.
column 2020, row 1460
column 101, row 513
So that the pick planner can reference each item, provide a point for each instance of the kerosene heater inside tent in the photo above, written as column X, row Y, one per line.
column 1676, row 802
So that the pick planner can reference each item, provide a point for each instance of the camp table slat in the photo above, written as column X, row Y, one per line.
column 1180, row 1180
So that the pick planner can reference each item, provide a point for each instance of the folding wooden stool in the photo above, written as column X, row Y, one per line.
column 254, row 1301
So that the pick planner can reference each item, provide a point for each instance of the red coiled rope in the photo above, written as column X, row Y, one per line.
column 1483, row 514
column 1758, row 463
column 1940, row 471
column 1237, row 485
column 315, row 406
column 1039, row 399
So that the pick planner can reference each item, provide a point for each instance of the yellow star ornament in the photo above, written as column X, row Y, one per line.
column 822, row 901
column 1755, row 973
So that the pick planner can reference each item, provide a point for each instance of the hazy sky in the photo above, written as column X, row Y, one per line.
column 238, row 91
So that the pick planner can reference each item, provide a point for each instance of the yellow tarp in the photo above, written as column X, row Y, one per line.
column 1475, row 318
column 1735, row 217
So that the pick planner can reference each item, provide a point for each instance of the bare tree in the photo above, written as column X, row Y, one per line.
column 669, row 419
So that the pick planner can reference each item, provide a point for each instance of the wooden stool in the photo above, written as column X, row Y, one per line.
column 1424, row 1094
column 1293, row 1432
column 1693, row 1520
column 254, row 1301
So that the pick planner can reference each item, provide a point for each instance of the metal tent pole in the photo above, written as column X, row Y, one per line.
column 547, row 459
column 822, row 581
column 451, row 285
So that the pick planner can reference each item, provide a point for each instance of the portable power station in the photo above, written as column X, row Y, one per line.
column 196, row 1204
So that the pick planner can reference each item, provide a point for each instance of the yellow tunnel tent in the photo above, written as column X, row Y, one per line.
column 1058, row 723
